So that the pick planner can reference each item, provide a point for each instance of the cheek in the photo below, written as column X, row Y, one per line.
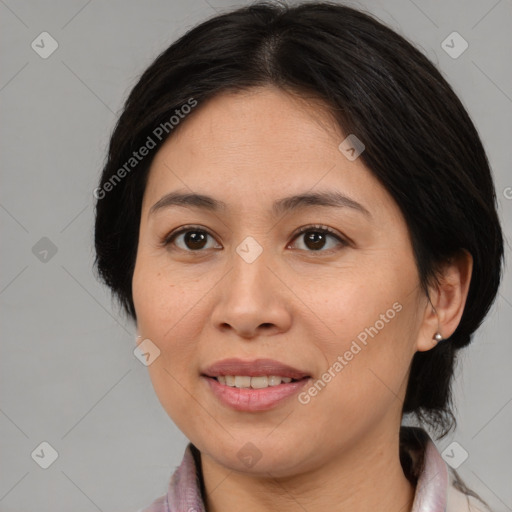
column 373, row 316
column 162, row 296
column 358, row 301
column 162, row 305
column 363, row 382
column 169, row 313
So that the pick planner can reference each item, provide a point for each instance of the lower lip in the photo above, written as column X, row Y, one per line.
column 251, row 400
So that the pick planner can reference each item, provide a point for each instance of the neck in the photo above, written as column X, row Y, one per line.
column 366, row 476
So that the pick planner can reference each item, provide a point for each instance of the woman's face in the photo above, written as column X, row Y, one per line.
column 344, row 308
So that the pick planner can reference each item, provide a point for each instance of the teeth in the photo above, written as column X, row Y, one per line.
column 243, row 381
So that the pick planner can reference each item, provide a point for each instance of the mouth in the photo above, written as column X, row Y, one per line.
column 242, row 369
column 253, row 386
column 255, row 382
column 253, row 399
column 249, row 399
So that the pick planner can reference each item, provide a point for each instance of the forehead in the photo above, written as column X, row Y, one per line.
column 255, row 145
column 266, row 123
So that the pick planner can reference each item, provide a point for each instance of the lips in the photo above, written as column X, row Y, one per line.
column 254, row 368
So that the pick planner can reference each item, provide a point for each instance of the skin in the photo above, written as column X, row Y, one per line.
column 295, row 304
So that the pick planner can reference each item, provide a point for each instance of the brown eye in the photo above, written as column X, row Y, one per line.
column 189, row 239
column 315, row 238
column 195, row 239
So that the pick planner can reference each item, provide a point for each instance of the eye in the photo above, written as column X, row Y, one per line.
column 192, row 239
column 317, row 236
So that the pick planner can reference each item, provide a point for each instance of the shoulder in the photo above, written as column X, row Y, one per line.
column 438, row 485
column 184, row 489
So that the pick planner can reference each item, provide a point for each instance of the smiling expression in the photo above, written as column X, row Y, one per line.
column 224, row 271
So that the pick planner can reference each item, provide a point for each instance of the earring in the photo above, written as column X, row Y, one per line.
column 438, row 337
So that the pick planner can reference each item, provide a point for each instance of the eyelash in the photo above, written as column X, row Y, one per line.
column 169, row 238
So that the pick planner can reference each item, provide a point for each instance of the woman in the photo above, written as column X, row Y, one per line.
column 299, row 215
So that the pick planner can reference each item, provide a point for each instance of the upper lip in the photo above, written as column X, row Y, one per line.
column 254, row 368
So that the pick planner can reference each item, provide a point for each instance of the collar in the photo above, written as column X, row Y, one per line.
column 185, row 487
column 433, row 477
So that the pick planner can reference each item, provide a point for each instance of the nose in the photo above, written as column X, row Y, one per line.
column 253, row 301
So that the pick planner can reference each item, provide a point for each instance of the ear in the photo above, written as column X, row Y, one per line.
column 447, row 300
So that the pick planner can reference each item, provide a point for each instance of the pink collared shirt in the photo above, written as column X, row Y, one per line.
column 435, row 489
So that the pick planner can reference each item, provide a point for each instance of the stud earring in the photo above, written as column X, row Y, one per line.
column 438, row 337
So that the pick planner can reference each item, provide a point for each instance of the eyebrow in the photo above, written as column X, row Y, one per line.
column 287, row 204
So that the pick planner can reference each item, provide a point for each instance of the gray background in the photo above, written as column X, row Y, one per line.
column 68, row 373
